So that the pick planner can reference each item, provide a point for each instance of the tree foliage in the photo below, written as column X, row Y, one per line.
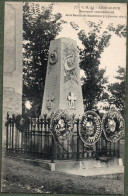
column 94, row 42
column 120, row 29
column 40, row 26
column 118, row 89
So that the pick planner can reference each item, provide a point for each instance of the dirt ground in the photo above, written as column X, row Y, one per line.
column 22, row 177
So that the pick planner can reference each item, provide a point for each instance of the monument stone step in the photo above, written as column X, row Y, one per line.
column 84, row 164
column 103, row 172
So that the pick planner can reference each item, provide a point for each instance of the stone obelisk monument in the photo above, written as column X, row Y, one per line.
column 62, row 85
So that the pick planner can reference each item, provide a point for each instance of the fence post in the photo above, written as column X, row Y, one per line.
column 7, row 132
column 118, row 151
column 48, row 133
column 78, row 137
column 12, row 120
column 53, row 148
column 45, row 132
column 97, row 150
column 31, row 147
column 45, row 120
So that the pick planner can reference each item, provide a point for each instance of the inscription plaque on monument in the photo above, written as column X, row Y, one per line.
column 63, row 87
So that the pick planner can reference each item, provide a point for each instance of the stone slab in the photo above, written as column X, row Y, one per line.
column 103, row 171
column 86, row 164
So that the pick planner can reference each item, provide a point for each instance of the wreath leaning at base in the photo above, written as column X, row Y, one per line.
column 62, row 124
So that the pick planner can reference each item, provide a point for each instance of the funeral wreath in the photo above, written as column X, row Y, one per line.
column 90, row 128
column 113, row 126
column 62, row 124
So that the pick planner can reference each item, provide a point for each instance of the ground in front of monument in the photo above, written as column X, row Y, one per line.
column 22, row 177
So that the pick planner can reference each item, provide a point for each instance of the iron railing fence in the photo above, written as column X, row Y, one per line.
column 38, row 141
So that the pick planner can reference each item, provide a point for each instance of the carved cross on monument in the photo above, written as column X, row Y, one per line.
column 71, row 100
column 50, row 99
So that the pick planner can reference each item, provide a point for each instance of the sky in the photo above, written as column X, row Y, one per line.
column 115, row 54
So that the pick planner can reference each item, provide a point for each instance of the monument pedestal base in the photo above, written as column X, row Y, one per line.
column 90, row 167
column 84, row 164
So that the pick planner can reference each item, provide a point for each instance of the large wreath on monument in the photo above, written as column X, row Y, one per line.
column 113, row 126
column 62, row 124
column 90, row 128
